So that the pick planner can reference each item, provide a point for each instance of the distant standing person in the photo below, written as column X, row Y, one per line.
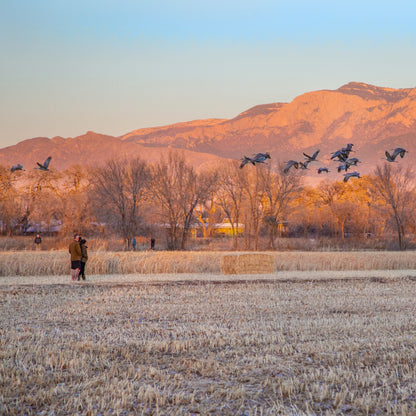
column 133, row 243
column 38, row 241
column 152, row 243
column 84, row 258
column 76, row 255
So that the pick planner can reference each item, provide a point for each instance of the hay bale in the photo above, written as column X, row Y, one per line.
column 229, row 264
column 247, row 264
column 255, row 264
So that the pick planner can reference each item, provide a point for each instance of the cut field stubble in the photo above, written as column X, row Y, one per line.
column 345, row 347
column 56, row 263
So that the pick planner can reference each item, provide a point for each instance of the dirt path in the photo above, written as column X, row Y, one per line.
column 211, row 277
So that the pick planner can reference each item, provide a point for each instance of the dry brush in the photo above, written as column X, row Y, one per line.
column 52, row 263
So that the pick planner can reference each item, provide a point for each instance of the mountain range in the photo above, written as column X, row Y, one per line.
column 374, row 119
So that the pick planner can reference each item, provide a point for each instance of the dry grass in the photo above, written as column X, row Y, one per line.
column 32, row 263
column 252, row 263
column 260, row 348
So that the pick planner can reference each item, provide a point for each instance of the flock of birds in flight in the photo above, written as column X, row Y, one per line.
column 40, row 166
column 342, row 156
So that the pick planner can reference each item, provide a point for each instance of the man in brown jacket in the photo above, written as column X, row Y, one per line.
column 76, row 254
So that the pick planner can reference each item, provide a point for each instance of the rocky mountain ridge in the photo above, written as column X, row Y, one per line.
column 373, row 118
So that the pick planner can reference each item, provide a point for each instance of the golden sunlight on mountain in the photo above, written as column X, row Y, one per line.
column 373, row 118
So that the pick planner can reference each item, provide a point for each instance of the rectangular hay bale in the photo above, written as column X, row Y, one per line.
column 229, row 264
column 247, row 264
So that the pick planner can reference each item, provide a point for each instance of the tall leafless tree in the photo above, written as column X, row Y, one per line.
column 178, row 189
column 230, row 194
column 118, row 190
column 279, row 190
column 395, row 186
column 75, row 204
column 332, row 195
column 255, row 203
column 7, row 196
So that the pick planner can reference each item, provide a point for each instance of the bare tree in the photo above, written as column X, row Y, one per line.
column 255, row 205
column 178, row 189
column 75, row 204
column 7, row 197
column 21, row 199
column 279, row 190
column 395, row 187
column 59, row 197
column 332, row 195
column 119, row 189
column 44, row 199
column 230, row 194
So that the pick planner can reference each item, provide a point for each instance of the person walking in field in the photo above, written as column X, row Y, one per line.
column 84, row 258
column 38, row 242
column 134, row 243
column 76, row 255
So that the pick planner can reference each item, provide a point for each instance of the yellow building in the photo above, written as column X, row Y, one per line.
column 225, row 228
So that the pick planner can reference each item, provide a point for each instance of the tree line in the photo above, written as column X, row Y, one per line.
column 132, row 197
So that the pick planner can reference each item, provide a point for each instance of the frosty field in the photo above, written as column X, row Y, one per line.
column 290, row 343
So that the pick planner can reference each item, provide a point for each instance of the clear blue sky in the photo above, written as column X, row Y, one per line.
column 114, row 66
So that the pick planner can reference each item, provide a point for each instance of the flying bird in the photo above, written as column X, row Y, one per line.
column 258, row 158
column 45, row 165
column 351, row 175
column 348, row 148
column 353, row 161
column 311, row 158
column 342, row 156
column 398, row 151
column 290, row 164
column 320, row 170
column 348, row 163
column 261, row 157
column 16, row 167
column 345, row 166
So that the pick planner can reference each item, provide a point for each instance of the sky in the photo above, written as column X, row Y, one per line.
column 71, row 66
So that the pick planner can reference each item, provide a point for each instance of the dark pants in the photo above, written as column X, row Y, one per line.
column 82, row 271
